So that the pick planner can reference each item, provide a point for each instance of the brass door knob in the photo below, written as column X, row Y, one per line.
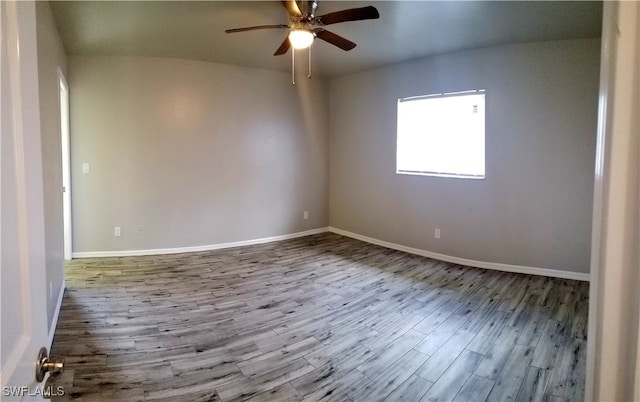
column 46, row 364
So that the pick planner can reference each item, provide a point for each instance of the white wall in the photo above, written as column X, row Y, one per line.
column 51, row 56
column 185, row 153
column 534, row 207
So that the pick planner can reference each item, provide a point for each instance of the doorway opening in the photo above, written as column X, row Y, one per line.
column 66, row 164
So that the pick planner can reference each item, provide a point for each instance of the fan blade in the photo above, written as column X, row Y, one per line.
column 334, row 39
column 284, row 47
column 234, row 30
column 352, row 14
column 292, row 8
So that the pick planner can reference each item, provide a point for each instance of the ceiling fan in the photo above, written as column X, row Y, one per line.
column 304, row 26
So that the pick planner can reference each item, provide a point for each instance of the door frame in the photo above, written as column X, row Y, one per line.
column 613, row 339
column 65, row 143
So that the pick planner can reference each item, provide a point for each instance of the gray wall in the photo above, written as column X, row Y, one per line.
column 185, row 153
column 534, row 207
column 51, row 55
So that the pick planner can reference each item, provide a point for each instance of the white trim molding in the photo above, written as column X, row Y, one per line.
column 192, row 249
column 56, row 314
column 521, row 269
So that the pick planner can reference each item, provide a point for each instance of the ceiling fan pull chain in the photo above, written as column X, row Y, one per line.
column 309, row 76
column 293, row 66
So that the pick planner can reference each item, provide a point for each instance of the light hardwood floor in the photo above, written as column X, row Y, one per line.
column 322, row 317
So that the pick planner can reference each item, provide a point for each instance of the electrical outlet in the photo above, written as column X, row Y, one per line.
column 85, row 168
column 305, row 215
column 436, row 234
column 116, row 231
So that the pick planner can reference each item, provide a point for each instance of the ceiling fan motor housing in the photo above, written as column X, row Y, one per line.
column 307, row 8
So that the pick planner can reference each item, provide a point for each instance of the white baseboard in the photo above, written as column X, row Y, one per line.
column 442, row 257
column 208, row 247
column 54, row 321
column 463, row 261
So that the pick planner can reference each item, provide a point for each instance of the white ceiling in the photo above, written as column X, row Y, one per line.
column 406, row 30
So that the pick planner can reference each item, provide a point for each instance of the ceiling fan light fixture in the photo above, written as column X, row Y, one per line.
column 301, row 38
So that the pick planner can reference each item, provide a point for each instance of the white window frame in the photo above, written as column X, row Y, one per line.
column 448, row 173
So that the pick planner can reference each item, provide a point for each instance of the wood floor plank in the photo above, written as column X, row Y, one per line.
column 553, row 337
column 579, row 314
column 489, row 333
column 319, row 378
column 335, row 351
column 341, row 388
column 385, row 382
column 101, row 376
column 435, row 319
column 390, row 332
column 246, row 388
column 451, row 381
column 284, row 392
column 387, row 356
column 209, row 395
column 534, row 385
column 553, row 398
column 498, row 353
column 557, row 384
column 102, row 393
column 440, row 361
column 475, row 389
column 193, row 382
column 510, row 380
column 321, row 317
column 411, row 390
column 263, row 362
column 575, row 387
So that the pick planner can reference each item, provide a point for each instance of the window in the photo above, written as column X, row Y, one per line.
column 442, row 135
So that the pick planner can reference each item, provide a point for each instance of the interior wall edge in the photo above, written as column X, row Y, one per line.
column 193, row 249
column 520, row 269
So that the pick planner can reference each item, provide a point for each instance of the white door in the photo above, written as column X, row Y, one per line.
column 22, row 270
